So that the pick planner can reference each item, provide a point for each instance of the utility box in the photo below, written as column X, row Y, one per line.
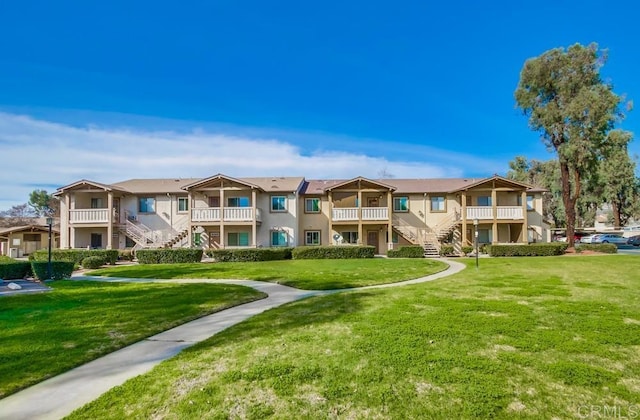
column 13, row 252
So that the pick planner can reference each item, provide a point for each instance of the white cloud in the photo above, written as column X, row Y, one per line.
column 42, row 154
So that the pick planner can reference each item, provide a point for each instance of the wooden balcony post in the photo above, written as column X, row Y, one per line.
column 110, row 220
column 254, row 223
column 463, row 201
column 222, row 237
column 190, row 224
column 389, row 220
column 494, row 205
column 525, row 223
column 330, row 218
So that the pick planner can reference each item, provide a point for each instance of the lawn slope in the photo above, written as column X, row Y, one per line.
column 519, row 338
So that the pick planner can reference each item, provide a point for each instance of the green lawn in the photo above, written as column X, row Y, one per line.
column 302, row 274
column 545, row 337
column 45, row 334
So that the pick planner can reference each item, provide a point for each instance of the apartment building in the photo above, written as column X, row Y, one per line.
column 226, row 212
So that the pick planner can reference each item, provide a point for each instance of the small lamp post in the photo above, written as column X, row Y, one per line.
column 475, row 229
column 49, row 223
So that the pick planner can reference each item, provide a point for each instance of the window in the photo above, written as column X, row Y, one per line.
column 394, row 237
column 238, row 202
column 438, row 203
column 349, row 237
column 238, row 239
column 484, row 201
column 214, row 201
column 97, row 203
column 146, row 205
column 183, row 204
column 197, row 239
column 312, row 237
column 278, row 203
column 312, row 205
column 401, row 204
column 484, row 236
column 278, row 238
column 530, row 202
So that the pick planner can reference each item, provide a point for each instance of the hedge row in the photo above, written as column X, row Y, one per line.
column 39, row 269
column 11, row 270
column 604, row 248
column 411, row 251
column 92, row 262
column 75, row 255
column 59, row 269
column 250, row 254
column 332, row 252
column 169, row 255
column 531, row 250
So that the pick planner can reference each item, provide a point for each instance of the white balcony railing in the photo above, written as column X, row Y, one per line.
column 206, row 214
column 375, row 213
column 231, row 214
column 503, row 213
column 89, row 216
column 510, row 212
column 345, row 213
column 368, row 213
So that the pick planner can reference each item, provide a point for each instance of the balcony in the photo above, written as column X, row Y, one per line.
column 230, row 214
column 502, row 213
column 89, row 216
column 346, row 214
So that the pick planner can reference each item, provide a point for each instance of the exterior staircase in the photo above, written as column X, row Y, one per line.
column 145, row 237
column 429, row 238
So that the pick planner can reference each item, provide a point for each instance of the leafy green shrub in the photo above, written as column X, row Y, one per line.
column 531, row 250
column 446, row 250
column 92, row 262
column 125, row 255
column 250, row 254
column 75, row 255
column 169, row 255
column 604, row 248
column 467, row 249
column 332, row 252
column 59, row 269
column 4, row 258
column 13, row 269
column 410, row 251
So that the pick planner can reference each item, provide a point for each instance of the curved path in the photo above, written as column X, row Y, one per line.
column 60, row 395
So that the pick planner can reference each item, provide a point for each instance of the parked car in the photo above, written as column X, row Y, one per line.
column 609, row 238
column 634, row 240
column 588, row 239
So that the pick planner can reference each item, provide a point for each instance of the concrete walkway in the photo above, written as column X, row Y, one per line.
column 27, row 287
column 60, row 395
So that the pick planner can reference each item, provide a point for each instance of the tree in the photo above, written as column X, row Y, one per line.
column 17, row 215
column 617, row 177
column 42, row 203
column 566, row 100
column 544, row 175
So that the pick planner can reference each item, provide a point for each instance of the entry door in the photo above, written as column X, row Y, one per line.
column 96, row 240
column 372, row 239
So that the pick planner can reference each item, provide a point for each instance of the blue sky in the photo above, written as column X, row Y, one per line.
column 115, row 90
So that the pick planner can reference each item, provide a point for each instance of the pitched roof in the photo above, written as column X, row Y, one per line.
column 86, row 183
column 273, row 184
column 155, row 186
column 410, row 186
column 28, row 228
